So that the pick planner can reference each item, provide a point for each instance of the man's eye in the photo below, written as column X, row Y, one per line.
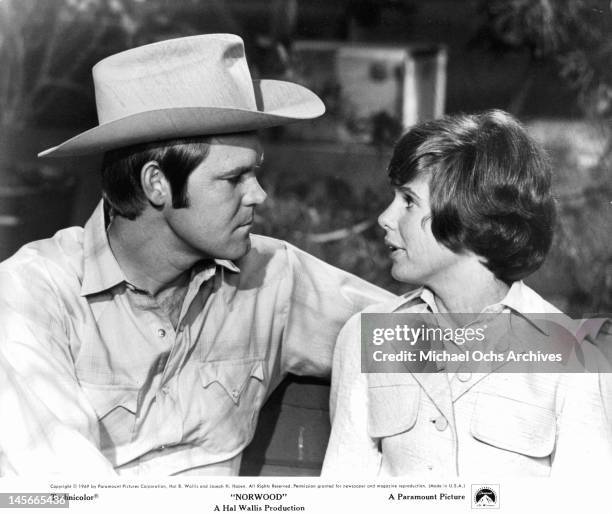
column 234, row 180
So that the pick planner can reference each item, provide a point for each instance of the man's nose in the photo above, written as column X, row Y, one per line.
column 254, row 194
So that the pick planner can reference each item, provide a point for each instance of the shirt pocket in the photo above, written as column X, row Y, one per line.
column 514, row 425
column 233, row 394
column 116, row 407
column 233, row 376
column 392, row 410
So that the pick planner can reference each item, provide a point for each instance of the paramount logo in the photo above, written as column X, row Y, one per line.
column 485, row 496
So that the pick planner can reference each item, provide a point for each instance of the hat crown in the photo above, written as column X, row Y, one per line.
column 191, row 86
column 199, row 71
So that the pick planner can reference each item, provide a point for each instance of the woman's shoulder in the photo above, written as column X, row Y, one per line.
column 524, row 299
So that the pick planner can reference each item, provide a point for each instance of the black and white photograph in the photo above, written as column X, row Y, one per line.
column 306, row 255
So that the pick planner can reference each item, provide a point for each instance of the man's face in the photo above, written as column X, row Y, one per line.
column 418, row 258
column 222, row 193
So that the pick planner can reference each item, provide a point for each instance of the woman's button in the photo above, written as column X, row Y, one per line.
column 235, row 394
column 441, row 423
column 464, row 377
column 161, row 332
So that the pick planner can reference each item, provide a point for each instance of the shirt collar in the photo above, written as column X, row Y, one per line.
column 407, row 300
column 519, row 299
column 525, row 302
column 417, row 297
column 227, row 264
column 514, row 300
column 101, row 271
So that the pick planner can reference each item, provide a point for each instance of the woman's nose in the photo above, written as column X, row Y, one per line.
column 385, row 218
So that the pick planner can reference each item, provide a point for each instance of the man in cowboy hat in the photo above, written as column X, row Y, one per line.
column 147, row 342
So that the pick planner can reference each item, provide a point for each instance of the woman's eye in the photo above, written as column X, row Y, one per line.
column 234, row 180
column 408, row 200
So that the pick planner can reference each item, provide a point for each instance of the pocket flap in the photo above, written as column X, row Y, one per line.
column 105, row 398
column 392, row 409
column 232, row 375
column 514, row 425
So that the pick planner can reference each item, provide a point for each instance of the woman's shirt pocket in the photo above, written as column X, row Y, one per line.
column 392, row 409
column 513, row 425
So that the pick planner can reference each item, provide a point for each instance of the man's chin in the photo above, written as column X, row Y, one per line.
column 240, row 250
column 247, row 247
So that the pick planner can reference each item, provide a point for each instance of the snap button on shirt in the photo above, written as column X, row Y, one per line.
column 441, row 423
column 464, row 377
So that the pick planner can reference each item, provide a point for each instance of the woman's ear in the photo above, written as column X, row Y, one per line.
column 155, row 185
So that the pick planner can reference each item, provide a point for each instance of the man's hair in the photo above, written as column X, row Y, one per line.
column 489, row 188
column 121, row 169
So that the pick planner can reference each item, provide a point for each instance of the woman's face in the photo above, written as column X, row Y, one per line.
column 417, row 257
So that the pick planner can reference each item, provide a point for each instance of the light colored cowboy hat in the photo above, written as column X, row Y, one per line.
column 198, row 85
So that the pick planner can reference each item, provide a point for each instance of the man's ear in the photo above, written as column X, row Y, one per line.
column 155, row 185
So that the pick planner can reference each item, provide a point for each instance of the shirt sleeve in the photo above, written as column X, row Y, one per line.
column 350, row 451
column 584, row 422
column 599, row 332
column 48, row 426
column 321, row 299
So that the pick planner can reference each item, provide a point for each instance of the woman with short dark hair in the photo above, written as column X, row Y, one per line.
column 490, row 189
column 472, row 216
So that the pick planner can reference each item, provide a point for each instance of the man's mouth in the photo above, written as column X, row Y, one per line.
column 247, row 223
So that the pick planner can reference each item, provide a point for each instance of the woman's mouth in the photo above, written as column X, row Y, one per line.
column 393, row 249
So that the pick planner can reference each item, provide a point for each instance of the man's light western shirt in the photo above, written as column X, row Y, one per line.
column 95, row 379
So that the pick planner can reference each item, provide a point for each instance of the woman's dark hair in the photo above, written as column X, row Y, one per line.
column 489, row 188
column 121, row 169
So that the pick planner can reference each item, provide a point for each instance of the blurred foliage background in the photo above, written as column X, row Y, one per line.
column 548, row 62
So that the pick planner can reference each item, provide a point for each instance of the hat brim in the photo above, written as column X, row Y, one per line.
column 278, row 103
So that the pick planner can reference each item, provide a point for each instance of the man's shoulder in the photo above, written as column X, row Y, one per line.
column 265, row 252
column 277, row 258
column 266, row 244
column 273, row 257
column 56, row 257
